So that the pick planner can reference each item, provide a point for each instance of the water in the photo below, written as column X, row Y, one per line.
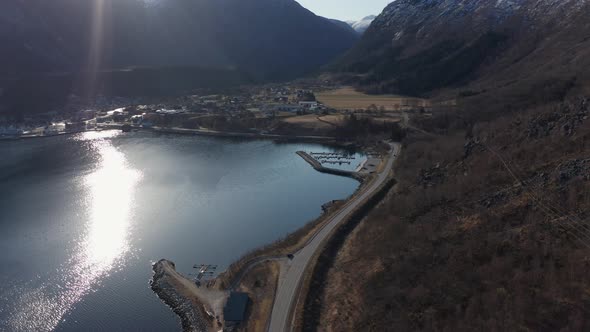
column 83, row 217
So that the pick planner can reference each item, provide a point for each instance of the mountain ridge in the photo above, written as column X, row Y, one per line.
column 450, row 43
column 260, row 36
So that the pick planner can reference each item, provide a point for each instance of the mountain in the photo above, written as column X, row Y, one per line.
column 266, row 38
column 362, row 25
column 417, row 46
column 487, row 227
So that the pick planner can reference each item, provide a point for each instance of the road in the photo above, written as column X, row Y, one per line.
column 290, row 278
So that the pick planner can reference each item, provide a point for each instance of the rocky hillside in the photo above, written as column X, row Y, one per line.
column 266, row 38
column 417, row 46
column 488, row 230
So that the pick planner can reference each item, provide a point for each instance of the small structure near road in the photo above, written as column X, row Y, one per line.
column 234, row 311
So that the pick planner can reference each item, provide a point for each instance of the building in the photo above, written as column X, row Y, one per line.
column 169, row 112
column 234, row 310
column 137, row 119
column 310, row 105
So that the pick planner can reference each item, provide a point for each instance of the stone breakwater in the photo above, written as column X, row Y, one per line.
column 166, row 285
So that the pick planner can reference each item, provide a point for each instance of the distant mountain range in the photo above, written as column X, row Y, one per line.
column 268, row 39
column 362, row 25
column 417, row 46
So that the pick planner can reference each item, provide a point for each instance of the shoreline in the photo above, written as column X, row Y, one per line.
column 230, row 280
column 186, row 131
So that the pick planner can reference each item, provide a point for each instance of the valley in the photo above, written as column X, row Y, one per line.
column 423, row 169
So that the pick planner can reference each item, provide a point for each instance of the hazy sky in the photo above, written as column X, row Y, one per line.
column 345, row 9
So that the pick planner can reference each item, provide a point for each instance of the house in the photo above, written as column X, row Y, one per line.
column 234, row 310
column 136, row 119
column 170, row 112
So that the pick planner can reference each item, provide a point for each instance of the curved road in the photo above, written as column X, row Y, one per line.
column 290, row 278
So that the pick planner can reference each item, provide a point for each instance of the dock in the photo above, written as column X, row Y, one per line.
column 206, row 271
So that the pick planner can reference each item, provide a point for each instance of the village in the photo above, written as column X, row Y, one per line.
column 310, row 108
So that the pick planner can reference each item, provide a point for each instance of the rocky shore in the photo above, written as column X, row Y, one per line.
column 166, row 284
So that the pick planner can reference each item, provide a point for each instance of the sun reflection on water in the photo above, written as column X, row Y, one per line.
column 111, row 197
column 109, row 200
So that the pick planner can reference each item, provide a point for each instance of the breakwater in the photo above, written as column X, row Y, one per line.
column 192, row 316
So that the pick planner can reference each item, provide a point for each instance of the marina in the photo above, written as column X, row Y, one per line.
column 206, row 273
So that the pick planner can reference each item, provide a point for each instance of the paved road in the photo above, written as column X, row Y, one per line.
column 291, row 277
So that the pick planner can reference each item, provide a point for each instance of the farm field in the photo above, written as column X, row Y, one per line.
column 313, row 121
column 349, row 99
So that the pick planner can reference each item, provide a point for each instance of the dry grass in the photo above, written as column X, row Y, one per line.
column 341, row 311
column 312, row 121
column 349, row 99
column 334, row 119
column 261, row 285
column 474, row 250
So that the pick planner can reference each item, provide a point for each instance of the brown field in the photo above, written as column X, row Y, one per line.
column 315, row 121
column 349, row 99
column 260, row 284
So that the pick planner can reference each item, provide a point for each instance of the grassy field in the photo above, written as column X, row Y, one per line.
column 316, row 122
column 349, row 99
column 260, row 284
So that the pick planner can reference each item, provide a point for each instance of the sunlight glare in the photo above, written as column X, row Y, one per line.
column 103, row 246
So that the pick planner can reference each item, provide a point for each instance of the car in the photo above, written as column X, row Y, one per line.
column 290, row 256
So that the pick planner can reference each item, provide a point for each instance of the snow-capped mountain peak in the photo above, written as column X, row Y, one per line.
column 362, row 25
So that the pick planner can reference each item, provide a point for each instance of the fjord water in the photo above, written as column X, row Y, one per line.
column 83, row 217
